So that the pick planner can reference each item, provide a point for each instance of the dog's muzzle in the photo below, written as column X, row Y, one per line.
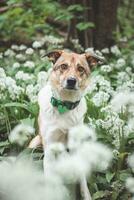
column 71, row 83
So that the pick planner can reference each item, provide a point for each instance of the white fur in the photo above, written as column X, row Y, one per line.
column 51, row 122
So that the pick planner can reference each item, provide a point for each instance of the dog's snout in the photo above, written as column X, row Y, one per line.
column 71, row 82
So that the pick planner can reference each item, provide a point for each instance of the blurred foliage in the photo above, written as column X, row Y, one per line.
column 27, row 19
column 125, row 19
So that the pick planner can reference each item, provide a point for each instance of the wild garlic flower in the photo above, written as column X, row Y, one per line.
column 42, row 79
column 130, row 180
column 9, row 53
column 29, row 64
column 131, row 161
column 2, row 73
column 85, row 155
column 52, row 40
column 15, row 47
column 100, row 98
column 20, row 75
column 106, row 68
column 105, row 51
column 16, row 65
column 121, row 100
column 14, row 90
column 1, row 55
column 20, row 57
column 22, row 47
column 36, row 44
column 20, row 134
column 127, row 86
column 29, row 51
column 80, row 134
column 31, row 92
column 115, row 50
column 42, row 52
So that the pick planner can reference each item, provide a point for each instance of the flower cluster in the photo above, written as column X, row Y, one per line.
column 61, row 168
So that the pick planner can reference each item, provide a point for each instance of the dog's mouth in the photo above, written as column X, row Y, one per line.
column 70, row 88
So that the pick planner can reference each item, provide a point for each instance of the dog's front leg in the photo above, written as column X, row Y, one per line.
column 84, row 189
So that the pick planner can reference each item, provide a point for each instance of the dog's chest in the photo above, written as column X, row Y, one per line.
column 51, row 120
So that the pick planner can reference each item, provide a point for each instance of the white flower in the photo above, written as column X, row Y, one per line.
column 9, row 53
column 52, row 40
column 128, row 70
column 31, row 92
column 106, row 68
column 131, row 161
column 16, row 65
column 14, row 90
column 29, row 51
column 20, row 57
column 29, row 64
column 122, row 99
column 2, row 85
column 42, row 78
column 90, row 156
column 2, row 73
column 115, row 50
column 42, row 52
column 20, row 134
column 122, row 77
column 100, row 98
column 22, row 47
column 55, row 150
column 80, row 134
column 36, row 44
column 1, row 55
column 120, row 63
column 98, row 53
column 20, row 75
column 105, row 50
column 90, row 50
column 125, row 86
column 15, row 47
column 130, row 184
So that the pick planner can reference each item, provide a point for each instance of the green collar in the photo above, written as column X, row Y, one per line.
column 63, row 106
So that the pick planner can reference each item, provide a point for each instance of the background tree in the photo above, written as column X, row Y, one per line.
column 96, row 23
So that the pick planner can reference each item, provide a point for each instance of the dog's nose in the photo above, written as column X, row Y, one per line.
column 71, row 82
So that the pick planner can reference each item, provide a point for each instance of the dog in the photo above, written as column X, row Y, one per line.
column 61, row 102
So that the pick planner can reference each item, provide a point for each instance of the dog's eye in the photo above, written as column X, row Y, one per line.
column 64, row 66
column 81, row 69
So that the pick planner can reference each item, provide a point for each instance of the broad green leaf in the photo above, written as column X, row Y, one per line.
column 100, row 194
column 84, row 25
column 109, row 176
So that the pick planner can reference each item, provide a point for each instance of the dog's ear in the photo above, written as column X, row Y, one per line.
column 54, row 55
column 94, row 59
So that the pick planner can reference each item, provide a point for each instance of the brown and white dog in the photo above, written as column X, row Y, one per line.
column 61, row 101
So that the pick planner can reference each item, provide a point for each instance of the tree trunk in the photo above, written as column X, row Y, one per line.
column 103, row 13
column 105, row 19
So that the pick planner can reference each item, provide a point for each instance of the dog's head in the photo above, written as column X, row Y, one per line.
column 70, row 74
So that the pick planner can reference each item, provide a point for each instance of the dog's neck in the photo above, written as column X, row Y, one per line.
column 66, row 95
column 63, row 106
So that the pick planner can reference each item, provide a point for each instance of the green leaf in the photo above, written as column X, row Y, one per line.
column 76, row 7
column 109, row 176
column 100, row 194
column 16, row 104
column 5, row 143
column 84, row 25
column 28, row 121
column 124, row 175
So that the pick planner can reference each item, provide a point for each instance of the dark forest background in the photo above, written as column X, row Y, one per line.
column 97, row 23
